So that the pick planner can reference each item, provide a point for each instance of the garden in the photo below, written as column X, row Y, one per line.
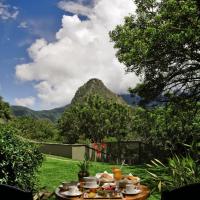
column 160, row 44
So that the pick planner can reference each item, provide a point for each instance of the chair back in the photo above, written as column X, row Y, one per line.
column 183, row 193
column 8, row 192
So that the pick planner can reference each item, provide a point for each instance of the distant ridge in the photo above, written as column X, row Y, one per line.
column 53, row 114
column 95, row 86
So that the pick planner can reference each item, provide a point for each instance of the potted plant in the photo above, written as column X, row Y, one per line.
column 83, row 169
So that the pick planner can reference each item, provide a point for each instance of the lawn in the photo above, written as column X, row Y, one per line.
column 56, row 169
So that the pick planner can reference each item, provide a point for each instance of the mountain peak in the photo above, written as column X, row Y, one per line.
column 95, row 86
column 94, row 81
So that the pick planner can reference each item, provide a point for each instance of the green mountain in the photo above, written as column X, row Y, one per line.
column 95, row 86
column 53, row 114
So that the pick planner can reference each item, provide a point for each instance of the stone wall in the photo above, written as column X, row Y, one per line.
column 133, row 152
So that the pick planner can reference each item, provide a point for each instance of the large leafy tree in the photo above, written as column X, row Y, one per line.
column 161, row 44
column 96, row 118
column 170, row 127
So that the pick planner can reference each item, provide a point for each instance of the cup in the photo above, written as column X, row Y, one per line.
column 65, row 185
column 130, row 188
column 90, row 182
column 73, row 190
column 91, row 185
column 90, row 179
column 123, row 183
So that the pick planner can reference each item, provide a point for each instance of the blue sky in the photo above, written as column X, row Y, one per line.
column 69, row 44
column 42, row 20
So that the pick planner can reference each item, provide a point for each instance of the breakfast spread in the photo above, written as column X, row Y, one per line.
column 103, row 185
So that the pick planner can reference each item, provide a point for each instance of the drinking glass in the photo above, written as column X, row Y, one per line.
column 117, row 174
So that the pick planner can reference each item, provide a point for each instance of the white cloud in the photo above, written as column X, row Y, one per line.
column 25, row 42
column 23, row 25
column 73, row 7
column 29, row 101
column 8, row 12
column 82, row 50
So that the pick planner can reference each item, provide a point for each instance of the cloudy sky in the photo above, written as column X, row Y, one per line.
column 50, row 48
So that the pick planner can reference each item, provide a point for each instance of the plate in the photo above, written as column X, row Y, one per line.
column 67, row 193
column 91, row 187
column 108, row 185
column 135, row 191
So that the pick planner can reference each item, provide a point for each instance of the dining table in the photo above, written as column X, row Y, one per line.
column 143, row 195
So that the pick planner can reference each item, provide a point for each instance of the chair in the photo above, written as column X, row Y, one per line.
column 8, row 192
column 183, row 193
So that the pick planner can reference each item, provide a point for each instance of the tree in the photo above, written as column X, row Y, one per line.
column 142, row 123
column 96, row 118
column 161, row 44
column 69, row 125
column 121, row 119
column 169, row 127
column 5, row 112
column 35, row 129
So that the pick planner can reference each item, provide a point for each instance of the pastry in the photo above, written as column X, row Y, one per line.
column 134, row 179
column 106, row 178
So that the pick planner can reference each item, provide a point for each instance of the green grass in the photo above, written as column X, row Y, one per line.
column 56, row 169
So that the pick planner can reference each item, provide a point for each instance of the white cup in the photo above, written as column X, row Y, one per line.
column 73, row 189
column 65, row 185
column 130, row 188
column 90, row 179
column 91, row 184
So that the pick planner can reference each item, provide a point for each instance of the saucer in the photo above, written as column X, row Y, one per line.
column 91, row 186
column 135, row 191
column 67, row 193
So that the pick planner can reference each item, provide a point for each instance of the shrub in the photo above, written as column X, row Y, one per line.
column 178, row 172
column 19, row 160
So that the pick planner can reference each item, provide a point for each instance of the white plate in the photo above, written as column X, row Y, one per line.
column 105, row 185
column 135, row 191
column 91, row 187
column 67, row 193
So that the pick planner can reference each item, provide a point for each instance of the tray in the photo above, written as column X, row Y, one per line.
column 101, row 197
column 117, row 197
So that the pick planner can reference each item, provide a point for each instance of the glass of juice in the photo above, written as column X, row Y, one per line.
column 117, row 174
